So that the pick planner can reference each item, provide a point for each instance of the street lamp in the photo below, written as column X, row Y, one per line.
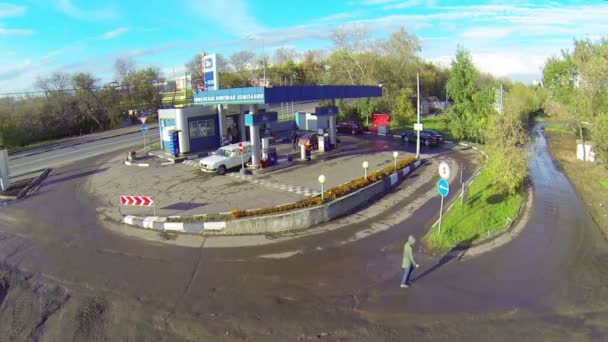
column 255, row 37
column 365, row 166
column 322, row 181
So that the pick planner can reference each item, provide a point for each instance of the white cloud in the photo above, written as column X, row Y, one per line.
column 233, row 15
column 11, row 10
column 403, row 4
column 15, row 32
column 486, row 33
column 377, row 2
column 115, row 33
column 71, row 10
column 510, row 63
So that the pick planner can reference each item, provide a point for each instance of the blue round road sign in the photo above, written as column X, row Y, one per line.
column 444, row 187
column 143, row 128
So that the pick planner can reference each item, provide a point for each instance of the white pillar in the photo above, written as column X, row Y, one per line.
column 242, row 126
column 255, row 140
column 5, row 180
column 181, row 124
column 332, row 130
column 221, row 123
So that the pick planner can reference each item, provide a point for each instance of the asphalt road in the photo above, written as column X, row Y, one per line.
column 69, row 151
column 550, row 283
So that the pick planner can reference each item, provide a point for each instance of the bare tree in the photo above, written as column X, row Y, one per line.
column 123, row 67
column 283, row 55
column 242, row 63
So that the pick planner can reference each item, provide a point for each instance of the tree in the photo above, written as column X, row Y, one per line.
column 404, row 112
column 508, row 162
column 472, row 106
column 87, row 100
column 599, row 137
column 350, row 62
column 243, row 62
column 313, row 67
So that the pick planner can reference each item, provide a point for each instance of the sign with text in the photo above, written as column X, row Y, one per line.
column 210, row 72
column 261, row 118
column 326, row 111
column 252, row 95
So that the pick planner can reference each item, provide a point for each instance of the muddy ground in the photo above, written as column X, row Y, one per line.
column 585, row 176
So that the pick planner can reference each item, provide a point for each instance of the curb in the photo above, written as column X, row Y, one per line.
column 160, row 223
column 128, row 163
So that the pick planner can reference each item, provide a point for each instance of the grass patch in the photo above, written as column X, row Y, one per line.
column 559, row 129
column 486, row 211
column 200, row 219
column 604, row 183
column 155, row 146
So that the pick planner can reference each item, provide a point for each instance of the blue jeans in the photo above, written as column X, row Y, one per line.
column 407, row 273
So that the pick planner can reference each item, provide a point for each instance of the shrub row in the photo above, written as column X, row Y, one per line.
column 331, row 194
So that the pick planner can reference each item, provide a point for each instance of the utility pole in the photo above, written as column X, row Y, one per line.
column 418, row 110
column 501, row 105
column 264, row 60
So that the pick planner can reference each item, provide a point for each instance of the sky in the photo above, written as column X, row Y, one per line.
column 506, row 38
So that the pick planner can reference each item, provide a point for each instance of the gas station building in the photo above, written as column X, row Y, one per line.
column 219, row 113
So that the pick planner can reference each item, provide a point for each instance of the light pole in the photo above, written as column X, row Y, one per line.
column 322, row 181
column 395, row 155
column 418, row 110
column 255, row 37
column 365, row 166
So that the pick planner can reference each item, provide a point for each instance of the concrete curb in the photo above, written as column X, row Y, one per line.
column 128, row 163
column 281, row 222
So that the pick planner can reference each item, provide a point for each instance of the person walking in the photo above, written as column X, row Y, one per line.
column 294, row 140
column 409, row 263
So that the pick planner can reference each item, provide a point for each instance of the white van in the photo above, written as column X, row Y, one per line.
column 225, row 158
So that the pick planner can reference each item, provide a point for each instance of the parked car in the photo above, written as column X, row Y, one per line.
column 351, row 127
column 225, row 158
column 428, row 137
column 312, row 138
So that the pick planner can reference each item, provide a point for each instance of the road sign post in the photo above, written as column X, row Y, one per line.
column 242, row 157
column 144, row 129
column 444, row 189
column 444, row 170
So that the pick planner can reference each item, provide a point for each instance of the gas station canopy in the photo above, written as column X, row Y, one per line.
column 261, row 95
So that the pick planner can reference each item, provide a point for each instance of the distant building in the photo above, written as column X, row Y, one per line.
column 183, row 82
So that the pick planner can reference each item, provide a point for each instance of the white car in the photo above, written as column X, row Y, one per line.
column 226, row 157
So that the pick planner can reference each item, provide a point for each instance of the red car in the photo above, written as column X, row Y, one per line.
column 351, row 127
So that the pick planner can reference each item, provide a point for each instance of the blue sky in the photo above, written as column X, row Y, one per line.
column 506, row 38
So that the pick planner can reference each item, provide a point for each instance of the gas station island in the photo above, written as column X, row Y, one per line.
column 224, row 115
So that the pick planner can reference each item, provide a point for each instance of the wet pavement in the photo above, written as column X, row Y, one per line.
column 550, row 283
